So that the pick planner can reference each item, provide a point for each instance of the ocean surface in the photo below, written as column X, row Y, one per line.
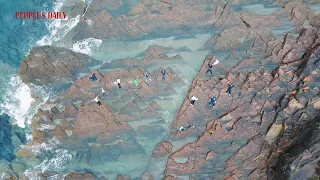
column 17, row 37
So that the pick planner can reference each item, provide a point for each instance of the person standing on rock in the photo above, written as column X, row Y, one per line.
column 230, row 86
column 93, row 78
column 136, row 82
column 212, row 101
column 118, row 82
column 193, row 100
column 211, row 65
column 103, row 92
column 163, row 72
column 97, row 100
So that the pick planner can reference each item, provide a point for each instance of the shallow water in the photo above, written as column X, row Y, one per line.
column 260, row 9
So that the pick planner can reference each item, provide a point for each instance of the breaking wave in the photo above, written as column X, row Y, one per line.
column 58, row 28
column 87, row 46
column 18, row 102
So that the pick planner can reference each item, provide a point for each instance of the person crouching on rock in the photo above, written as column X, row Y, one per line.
column 193, row 100
column 97, row 100
column 118, row 82
column 212, row 101
column 230, row 86
column 93, row 77
column 185, row 128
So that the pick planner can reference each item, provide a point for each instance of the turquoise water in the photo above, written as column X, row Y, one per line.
column 16, row 39
column 17, row 35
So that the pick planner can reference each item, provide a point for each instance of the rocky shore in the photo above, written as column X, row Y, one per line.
column 268, row 128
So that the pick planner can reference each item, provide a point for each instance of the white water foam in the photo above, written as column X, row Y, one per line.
column 18, row 102
column 87, row 46
column 58, row 158
column 58, row 28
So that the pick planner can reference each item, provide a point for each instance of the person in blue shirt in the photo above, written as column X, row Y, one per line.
column 93, row 77
column 230, row 86
column 163, row 72
column 211, row 65
column 212, row 101
column 209, row 68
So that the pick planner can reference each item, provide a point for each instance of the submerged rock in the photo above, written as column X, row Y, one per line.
column 164, row 148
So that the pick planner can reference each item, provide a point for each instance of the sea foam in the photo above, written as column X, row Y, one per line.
column 18, row 102
column 87, row 46
column 58, row 28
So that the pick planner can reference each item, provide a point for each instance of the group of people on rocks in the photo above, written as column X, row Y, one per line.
column 147, row 76
column 212, row 100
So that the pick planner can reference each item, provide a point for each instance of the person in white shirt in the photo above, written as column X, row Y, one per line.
column 97, row 100
column 118, row 82
column 193, row 100
column 103, row 92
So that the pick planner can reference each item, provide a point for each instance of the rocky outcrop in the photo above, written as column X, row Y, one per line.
column 46, row 64
column 299, row 12
column 251, row 129
column 103, row 134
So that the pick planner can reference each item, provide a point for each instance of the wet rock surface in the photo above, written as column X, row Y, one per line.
column 113, row 132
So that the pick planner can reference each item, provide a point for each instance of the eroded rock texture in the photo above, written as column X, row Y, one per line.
column 263, row 129
column 48, row 65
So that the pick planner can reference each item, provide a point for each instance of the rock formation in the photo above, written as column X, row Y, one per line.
column 268, row 117
column 46, row 64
